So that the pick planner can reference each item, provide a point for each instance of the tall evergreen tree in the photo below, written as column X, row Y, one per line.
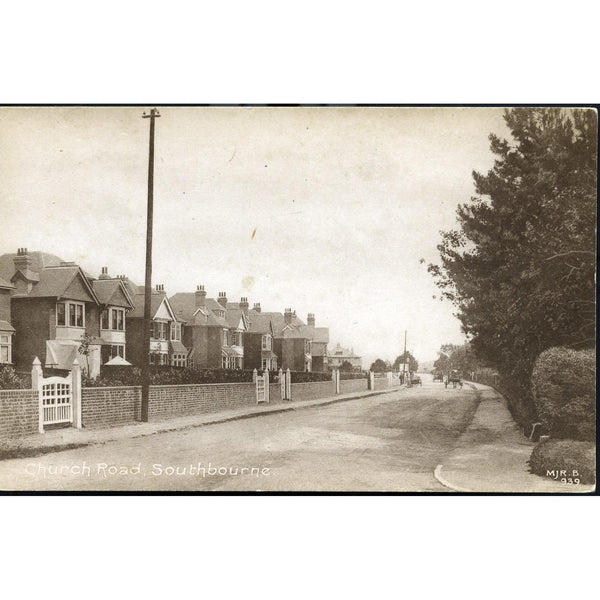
column 520, row 267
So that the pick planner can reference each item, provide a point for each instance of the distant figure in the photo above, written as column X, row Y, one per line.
column 445, row 381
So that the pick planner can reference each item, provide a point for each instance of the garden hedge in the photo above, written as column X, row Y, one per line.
column 564, row 393
column 576, row 459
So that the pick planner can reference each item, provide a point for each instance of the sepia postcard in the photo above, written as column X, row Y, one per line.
column 278, row 299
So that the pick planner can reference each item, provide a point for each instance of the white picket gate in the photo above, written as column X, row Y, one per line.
column 59, row 397
column 262, row 387
column 56, row 399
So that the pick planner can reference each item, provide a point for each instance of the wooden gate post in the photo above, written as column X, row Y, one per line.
column 288, row 385
column 36, row 384
column 76, row 394
column 266, row 376
column 254, row 375
column 281, row 384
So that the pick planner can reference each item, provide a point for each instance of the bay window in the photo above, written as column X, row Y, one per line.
column 70, row 314
column 5, row 349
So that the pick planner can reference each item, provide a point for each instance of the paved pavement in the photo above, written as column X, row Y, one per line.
column 491, row 455
column 421, row 439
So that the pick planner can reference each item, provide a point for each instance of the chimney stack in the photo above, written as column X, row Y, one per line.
column 104, row 274
column 256, row 307
column 244, row 304
column 222, row 299
column 22, row 260
column 310, row 320
column 287, row 316
column 200, row 295
column 160, row 288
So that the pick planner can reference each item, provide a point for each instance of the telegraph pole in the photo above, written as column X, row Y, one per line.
column 148, row 281
column 404, row 367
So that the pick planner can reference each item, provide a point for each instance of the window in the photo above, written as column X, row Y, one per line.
column 224, row 362
column 178, row 360
column 160, row 330
column 60, row 314
column 5, row 349
column 225, row 337
column 307, row 347
column 111, row 351
column 265, row 364
column 176, row 331
column 117, row 320
column 71, row 314
column 104, row 319
column 266, row 342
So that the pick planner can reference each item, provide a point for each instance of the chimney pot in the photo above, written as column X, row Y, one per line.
column 200, row 296
column 223, row 299
column 257, row 306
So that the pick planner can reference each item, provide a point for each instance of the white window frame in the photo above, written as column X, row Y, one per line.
column 6, row 344
column 225, row 337
column 175, row 331
column 266, row 342
column 68, row 304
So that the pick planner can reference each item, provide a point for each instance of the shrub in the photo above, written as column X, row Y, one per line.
column 309, row 376
column 346, row 375
column 563, row 385
column 9, row 379
column 565, row 455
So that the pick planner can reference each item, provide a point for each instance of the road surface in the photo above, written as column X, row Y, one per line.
column 390, row 442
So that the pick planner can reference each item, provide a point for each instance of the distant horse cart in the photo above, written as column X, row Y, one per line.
column 454, row 379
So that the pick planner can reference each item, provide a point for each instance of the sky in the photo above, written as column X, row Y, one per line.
column 320, row 209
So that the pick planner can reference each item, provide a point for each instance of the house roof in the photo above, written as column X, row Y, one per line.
column 156, row 299
column 177, row 346
column 6, row 284
column 258, row 322
column 279, row 325
column 232, row 351
column 107, row 291
column 6, row 326
column 233, row 316
column 39, row 260
column 54, row 282
column 184, row 307
column 320, row 335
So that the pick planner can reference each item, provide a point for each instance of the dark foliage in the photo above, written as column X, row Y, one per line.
column 564, row 392
column 413, row 363
column 565, row 455
column 10, row 379
column 306, row 376
column 520, row 268
column 380, row 366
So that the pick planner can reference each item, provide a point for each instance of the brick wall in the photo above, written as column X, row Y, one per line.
column 19, row 412
column 312, row 390
column 177, row 400
column 353, row 385
column 106, row 407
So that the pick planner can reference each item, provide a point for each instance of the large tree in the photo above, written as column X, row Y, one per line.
column 520, row 267
column 413, row 363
